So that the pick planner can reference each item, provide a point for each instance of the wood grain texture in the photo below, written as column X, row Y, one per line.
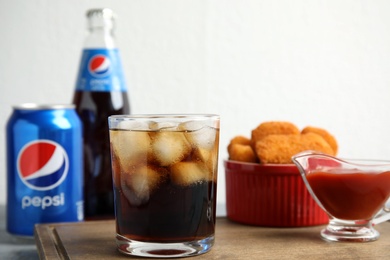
column 96, row 240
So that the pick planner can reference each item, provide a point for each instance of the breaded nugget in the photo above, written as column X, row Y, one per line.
column 273, row 128
column 242, row 153
column 239, row 139
column 280, row 148
column 325, row 134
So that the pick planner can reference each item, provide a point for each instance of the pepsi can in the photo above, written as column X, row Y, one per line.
column 44, row 167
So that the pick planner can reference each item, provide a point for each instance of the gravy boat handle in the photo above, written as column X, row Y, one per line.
column 382, row 217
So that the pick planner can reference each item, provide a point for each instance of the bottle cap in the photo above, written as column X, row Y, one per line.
column 102, row 17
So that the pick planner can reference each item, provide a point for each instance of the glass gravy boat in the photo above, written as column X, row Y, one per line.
column 353, row 194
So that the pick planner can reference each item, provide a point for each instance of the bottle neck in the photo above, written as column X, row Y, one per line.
column 100, row 37
column 101, row 23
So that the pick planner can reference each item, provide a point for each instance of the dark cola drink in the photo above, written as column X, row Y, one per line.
column 165, row 178
column 178, row 219
column 100, row 92
column 93, row 109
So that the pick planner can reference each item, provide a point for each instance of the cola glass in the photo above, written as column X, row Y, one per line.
column 165, row 179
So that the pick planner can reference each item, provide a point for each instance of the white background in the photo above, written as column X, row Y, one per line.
column 319, row 63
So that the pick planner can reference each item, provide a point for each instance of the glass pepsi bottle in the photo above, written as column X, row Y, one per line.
column 100, row 92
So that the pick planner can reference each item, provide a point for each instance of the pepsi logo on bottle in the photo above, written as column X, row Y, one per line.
column 44, row 167
column 100, row 70
column 99, row 65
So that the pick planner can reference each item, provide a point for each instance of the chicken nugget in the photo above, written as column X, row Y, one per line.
column 273, row 128
column 242, row 153
column 315, row 142
column 239, row 139
column 280, row 148
column 325, row 134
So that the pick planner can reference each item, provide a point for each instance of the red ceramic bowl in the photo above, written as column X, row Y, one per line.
column 269, row 195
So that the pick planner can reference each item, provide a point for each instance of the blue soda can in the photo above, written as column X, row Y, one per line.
column 44, row 167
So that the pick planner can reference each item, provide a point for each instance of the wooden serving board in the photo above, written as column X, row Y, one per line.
column 96, row 240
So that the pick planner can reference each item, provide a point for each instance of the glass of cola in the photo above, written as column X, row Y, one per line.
column 165, row 179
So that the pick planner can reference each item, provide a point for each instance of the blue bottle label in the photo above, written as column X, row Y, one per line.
column 101, row 70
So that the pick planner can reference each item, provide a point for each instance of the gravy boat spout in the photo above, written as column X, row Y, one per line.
column 352, row 192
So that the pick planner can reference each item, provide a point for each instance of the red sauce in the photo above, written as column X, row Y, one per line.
column 351, row 196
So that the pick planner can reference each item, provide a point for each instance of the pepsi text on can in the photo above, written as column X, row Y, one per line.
column 45, row 202
column 44, row 167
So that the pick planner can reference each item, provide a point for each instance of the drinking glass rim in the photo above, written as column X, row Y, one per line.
column 162, row 116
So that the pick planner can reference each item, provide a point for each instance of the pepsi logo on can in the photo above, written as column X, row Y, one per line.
column 44, row 167
column 42, row 164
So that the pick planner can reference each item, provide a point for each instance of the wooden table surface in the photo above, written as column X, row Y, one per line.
column 96, row 240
